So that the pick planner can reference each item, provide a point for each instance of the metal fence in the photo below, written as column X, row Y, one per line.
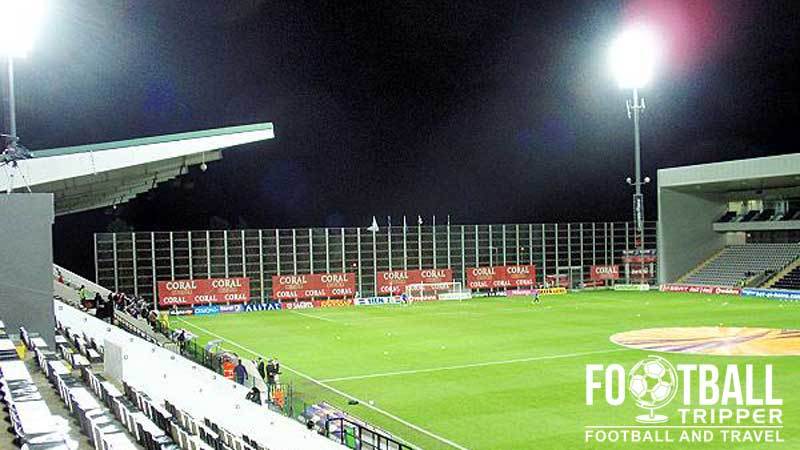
column 130, row 262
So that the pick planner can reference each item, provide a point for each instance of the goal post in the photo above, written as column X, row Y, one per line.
column 572, row 276
column 449, row 290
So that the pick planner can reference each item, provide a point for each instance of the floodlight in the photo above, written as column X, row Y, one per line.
column 20, row 25
column 633, row 56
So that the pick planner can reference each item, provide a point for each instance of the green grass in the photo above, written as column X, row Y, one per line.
column 520, row 405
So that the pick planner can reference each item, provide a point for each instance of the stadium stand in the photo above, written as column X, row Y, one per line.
column 180, row 405
column 33, row 425
column 764, row 215
column 95, row 420
column 122, row 391
column 727, row 217
column 65, row 288
column 737, row 263
column 789, row 281
column 792, row 214
column 749, row 216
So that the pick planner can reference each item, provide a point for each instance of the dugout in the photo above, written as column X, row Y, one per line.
column 702, row 208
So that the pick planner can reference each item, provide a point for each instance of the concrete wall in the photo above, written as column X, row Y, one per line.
column 26, row 263
column 685, row 234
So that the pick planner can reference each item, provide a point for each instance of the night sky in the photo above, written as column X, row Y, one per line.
column 490, row 111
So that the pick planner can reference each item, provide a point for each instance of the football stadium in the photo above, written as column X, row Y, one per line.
column 133, row 316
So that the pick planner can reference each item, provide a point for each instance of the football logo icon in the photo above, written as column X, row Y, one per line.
column 653, row 382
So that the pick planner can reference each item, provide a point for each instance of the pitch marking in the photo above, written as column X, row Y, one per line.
column 468, row 366
column 315, row 317
column 337, row 391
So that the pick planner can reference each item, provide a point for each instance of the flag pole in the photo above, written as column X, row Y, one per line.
column 419, row 241
column 389, row 235
column 405, row 244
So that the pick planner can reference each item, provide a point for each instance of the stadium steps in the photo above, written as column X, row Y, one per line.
column 57, row 407
column 778, row 276
column 700, row 266
column 87, row 398
column 38, row 419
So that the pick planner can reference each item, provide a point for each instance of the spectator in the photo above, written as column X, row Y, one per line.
column 182, row 339
column 152, row 318
column 273, row 370
column 278, row 399
column 240, row 372
column 262, row 369
column 271, row 375
column 254, row 396
column 108, row 311
column 83, row 293
column 101, row 307
column 227, row 368
column 163, row 322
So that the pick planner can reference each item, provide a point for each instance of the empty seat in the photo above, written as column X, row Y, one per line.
column 789, row 281
column 739, row 262
column 31, row 420
column 791, row 214
column 764, row 215
column 749, row 216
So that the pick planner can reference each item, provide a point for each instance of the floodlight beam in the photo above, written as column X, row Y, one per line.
column 633, row 57
column 22, row 20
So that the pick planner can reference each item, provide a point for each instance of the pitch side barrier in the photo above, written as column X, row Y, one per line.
column 165, row 376
column 274, row 305
column 777, row 294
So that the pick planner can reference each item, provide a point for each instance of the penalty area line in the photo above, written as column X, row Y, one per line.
column 334, row 390
column 473, row 365
column 316, row 317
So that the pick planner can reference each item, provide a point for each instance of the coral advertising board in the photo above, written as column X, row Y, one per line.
column 604, row 272
column 313, row 285
column 501, row 276
column 394, row 282
column 203, row 291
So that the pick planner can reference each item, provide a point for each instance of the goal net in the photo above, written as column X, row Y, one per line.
column 571, row 277
column 451, row 290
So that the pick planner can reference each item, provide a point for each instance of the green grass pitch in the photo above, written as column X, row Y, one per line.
column 493, row 373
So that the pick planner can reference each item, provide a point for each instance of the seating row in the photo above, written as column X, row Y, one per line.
column 736, row 263
column 789, row 281
column 188, row 432
column 96, row 421
column 33, row 425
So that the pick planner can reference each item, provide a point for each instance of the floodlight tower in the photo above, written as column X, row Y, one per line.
column 21, row 21
column 633, row 56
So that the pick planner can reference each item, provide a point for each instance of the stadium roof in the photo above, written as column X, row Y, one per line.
column 92, row 176
column 731, row 177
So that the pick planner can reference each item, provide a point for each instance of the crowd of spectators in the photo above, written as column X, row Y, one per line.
column 104, row 308
column 269, row 371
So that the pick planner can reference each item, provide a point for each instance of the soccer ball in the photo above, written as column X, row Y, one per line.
column 653, row 382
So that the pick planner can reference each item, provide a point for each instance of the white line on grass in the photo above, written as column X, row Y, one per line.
column 337, row 391
column 469, row 366
column 315, row 317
